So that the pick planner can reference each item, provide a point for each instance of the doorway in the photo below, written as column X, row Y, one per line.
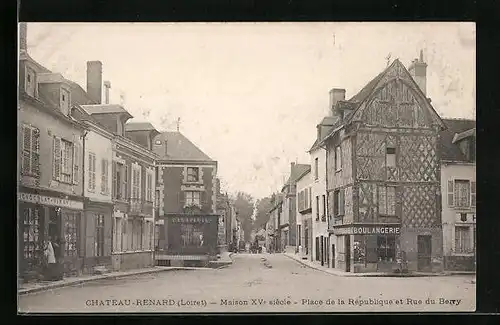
column 333, row 256
column 306, row 240
column 322, row 250
column 348, row 253
column 424, row 246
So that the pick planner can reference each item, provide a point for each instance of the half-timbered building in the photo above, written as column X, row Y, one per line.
column 383, row 178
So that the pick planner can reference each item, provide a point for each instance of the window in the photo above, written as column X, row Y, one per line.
column 192, row 198
column 316, row 167
column 125, row 193
column 31, row 236
column 386, row 200
column 117, row 180
column 386, row 246
column 99, row 235
column 91, row 171
column 66, row 161
column 317, row 208
column 30, row 82
column 149, row 187
column 104, row 176
column 30, row 162
column 70, row 234
column 323, row 214
column 193, row 174
column 462, row 193
column 136, row 182
column 390, row 157
column 338, row 158
column 462, row 240
column 299, row 234
column 338, row 203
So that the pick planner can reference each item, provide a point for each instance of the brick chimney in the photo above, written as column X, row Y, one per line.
column 94, row 81
column 23, row 34
column 336, row 94
column 418, row 70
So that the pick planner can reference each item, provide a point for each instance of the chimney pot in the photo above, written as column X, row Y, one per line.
column 94, row 81
column 418, row 71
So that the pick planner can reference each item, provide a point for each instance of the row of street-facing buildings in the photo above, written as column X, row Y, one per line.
column 389, row 182
column 116, row 194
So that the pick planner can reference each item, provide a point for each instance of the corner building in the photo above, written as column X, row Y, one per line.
column 384, row 176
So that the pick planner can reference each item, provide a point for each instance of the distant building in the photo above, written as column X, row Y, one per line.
column 458, row 187
column 384, row 176
column 187, row 225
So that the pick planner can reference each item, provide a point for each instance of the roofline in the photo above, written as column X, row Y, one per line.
column 187, row 162
column 308, row 171
column 138, row 147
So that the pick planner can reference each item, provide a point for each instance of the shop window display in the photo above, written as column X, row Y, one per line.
column 386, row 246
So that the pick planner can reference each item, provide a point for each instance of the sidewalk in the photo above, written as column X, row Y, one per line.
column 317, row 266
column 225, row 260
column 26, row 288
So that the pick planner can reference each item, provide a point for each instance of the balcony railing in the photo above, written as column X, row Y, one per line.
column 141, row 207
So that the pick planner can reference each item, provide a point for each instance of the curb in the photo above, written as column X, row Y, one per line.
column 385, row 275
column 102, row 277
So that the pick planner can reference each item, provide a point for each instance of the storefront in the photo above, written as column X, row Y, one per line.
column 43, row 215
column 366, row 248
column 189, row 238
column 97, row 223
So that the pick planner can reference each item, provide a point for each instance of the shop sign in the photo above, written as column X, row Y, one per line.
column 369, row 230
column 191, row 219
column 50, row 200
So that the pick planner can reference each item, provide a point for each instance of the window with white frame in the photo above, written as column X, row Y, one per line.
column 30, row 162
column 461, row 193
column 66, row 161
column 104, row 176
column 338, row 158
column 192, row 198
column 462, row 240
column 390, row 157
column 92, row 161
column 193, row 174
column 387, row 200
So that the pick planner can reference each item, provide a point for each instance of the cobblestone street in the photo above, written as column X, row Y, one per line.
column 257, row 283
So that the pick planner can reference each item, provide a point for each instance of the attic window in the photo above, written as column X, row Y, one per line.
column 30, row 84
column 390, row 157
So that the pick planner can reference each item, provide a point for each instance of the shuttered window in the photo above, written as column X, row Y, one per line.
column 30, row 162
column 387, row 200
column 136, row 182
column 149, row 186
column 76, row 162
column 66, row 161
column 473, row 193
column 462, row 193
column 56, row 162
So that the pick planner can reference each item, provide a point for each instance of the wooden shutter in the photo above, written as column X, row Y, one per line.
column 35, row 151
column 103, row 176
column 473, row 193
column 76, row 162
column 115, row 179
column 182, row 198
column 26, row 148
column 90, row 171
column 139, row 182
column 57, row 159
column 451, row 187
column 342, row 202
column 93, row 172
column 125, row 182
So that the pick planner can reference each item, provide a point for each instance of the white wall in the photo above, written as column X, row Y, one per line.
column 102, row 147
column 318, row 187
column 449, row 214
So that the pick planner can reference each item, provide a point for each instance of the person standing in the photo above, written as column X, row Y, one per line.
column 50, row 258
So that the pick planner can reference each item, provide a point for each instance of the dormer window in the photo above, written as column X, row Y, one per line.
column 30, row 85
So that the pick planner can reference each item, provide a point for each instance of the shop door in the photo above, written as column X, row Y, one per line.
column 424, row 246
column 316, row 248
column 322, row 241
column 348, row 253
column 333, row 256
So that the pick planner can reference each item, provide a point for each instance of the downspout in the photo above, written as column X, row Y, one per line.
column 85, row 132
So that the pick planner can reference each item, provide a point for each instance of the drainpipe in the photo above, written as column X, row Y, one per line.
column 84, row 135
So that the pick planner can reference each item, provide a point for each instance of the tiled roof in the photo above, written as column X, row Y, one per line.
column 139, row 126
column 308, row 170
column 178, row 148
column 105, row 109
column 448, row 150
column 296, row 171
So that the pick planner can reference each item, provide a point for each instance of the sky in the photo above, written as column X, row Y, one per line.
column 251, row 94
